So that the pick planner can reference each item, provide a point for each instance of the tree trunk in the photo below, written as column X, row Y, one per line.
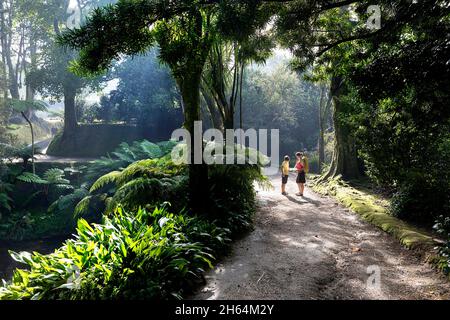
column 198, row 173
column 345, row 160
column 321, row 130
column 325, row 102
column 32, row 142
column 70, row 117
column 216, row 117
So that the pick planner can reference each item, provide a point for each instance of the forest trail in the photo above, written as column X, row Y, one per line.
column 312, row 248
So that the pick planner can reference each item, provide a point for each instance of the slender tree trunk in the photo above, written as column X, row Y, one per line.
column 345, row 161
column 321, row 129
column 241, row 84
column 198, row 173
column 32, row 141
column 216, row 117
column 70, row 117
column 325, row 102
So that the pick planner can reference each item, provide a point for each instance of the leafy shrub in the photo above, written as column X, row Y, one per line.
column 423, row 194
column 142, row 184
column 26, row 197
column 313, row 161
column 139, row 255
column 233, row 194
column 127, row 154
column 418, row 201
column 442, row 227
column 140, row 251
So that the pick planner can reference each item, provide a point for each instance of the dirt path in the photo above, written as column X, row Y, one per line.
column 313, row 248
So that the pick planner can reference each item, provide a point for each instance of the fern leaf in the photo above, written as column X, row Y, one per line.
column 105, row 180
column 29, row 177
column 82, row 207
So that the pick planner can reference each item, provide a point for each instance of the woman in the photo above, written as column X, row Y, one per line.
column 301, row 177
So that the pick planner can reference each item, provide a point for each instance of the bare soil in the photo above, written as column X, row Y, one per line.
column 313, row 248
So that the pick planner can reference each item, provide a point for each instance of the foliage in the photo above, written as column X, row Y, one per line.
column 442, row 227
column 125, row 155
column 131, row 255
column 141, row 184
column 25, row 197
column 146, row 94
column 280, row 97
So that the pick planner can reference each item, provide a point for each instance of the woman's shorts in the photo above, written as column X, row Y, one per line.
column 301, row 178
column 284, row 179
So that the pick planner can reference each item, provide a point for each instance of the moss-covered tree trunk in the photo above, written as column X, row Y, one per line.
column 345, row 160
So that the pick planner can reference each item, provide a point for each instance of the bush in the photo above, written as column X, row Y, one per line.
column 442, row 227
column 420, row 201
column 139, row 255
column 314, row 163
column 141, row 251
column 423, row 194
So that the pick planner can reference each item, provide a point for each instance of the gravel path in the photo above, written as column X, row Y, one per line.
column 312, row 248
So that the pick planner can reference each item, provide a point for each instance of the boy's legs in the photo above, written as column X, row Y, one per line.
column 283, row 184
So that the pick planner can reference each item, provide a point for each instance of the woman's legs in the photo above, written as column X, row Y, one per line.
column 301, row 189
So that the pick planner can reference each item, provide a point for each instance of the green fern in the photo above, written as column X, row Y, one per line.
column 125, row 155
column 109, row 178
column 82, row 207
column 29, row 177
column 5, row 202
column 56, row 176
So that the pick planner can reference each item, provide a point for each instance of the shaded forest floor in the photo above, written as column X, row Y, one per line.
column 313, row 248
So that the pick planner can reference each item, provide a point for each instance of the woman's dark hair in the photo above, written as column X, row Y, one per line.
column 299, row 154
column 286, row 158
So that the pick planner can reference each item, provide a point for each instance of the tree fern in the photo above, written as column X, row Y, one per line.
column 82, row 208
column 125, row 155
column 56, row 176
column 5, row 202
column 105, row 180
column 29, row 177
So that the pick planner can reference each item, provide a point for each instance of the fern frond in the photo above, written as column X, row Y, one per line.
column 105, row 180
column 150, row 150
column 139, row 192
column 82, row 207
column 29, row 177
column 55, row 176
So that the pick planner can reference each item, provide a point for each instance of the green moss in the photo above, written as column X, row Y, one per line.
column 374, row 210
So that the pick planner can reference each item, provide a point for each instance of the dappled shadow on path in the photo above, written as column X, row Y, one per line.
column 312, row 248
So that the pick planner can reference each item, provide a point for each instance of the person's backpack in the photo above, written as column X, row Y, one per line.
column 306, row 164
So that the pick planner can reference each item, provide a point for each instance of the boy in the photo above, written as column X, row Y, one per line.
column 284, row 174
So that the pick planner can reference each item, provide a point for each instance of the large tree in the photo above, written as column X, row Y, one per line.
column 185, row 32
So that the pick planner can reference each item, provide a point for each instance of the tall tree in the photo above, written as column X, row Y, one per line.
column 185, row 32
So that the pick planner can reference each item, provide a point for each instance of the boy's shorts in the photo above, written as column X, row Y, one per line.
column 284, row 179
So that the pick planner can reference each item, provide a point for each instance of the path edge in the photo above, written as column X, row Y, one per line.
column 372, row 209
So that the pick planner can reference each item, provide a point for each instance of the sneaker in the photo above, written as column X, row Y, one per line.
column 284, row 193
